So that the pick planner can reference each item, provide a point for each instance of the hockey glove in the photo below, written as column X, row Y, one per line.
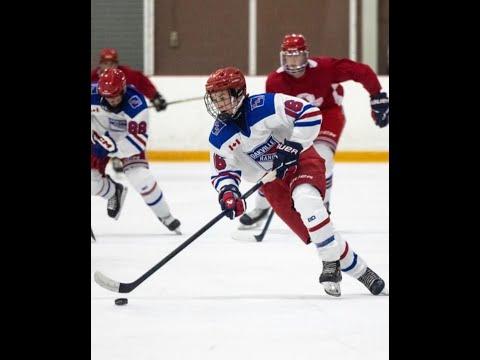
column 159, row 102
column 286, row 158
column 380, row 109
column 103, row 145
column 230, row 199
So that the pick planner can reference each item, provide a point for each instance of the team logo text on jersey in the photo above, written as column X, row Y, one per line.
column 256, row 102
column 217, row 127
column 264, row 152
column 135, row 101
column 234, row 145
column 117, row 124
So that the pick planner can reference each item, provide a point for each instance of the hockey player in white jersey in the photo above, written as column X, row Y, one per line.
column 255, row 134
column 119, row 128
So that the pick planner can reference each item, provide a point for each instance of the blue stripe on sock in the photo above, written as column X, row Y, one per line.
column 354, row 263
column 325, row 242
column 156, row 201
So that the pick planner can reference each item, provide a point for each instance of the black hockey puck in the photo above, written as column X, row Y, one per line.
column 121, row 301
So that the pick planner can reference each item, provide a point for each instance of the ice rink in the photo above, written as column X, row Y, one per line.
column 227, row 300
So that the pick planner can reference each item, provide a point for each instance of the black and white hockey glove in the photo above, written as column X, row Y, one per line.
column 380, row 109
column 159, row 102
column 286, row 158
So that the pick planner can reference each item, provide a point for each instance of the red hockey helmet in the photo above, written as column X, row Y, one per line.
column 294, row 53
column 230, row 79
column 108, row 54
column 226, row 79
column 294, row 42
column 112, row 82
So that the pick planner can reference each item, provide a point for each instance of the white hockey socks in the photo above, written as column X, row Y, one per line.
column 101, row 185
column 350, row 262
column 328, row 155
column 145, row 184
column 309, row 203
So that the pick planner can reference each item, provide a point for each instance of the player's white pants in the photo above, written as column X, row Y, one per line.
column 101, row 185
column 145, row 184
column 309, row 203
column 326, row 152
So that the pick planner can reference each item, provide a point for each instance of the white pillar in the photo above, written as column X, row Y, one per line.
column 252, row 37
column 370, row 33
column 148, row 36
column 352, row 30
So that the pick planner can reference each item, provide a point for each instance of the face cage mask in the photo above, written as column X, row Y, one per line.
column 292, row 69
column 235, row 95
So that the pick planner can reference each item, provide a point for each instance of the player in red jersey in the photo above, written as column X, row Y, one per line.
column 318, row 80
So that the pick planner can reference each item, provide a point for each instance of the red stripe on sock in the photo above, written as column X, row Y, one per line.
column 319, row 226
column 344, row 251
column 150, row 191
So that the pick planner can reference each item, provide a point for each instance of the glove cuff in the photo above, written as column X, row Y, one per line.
column 229, row 187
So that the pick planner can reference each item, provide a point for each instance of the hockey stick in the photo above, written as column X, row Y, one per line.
column 93, row 236
column 181, row 101
column 119, row 287
column 246, row 235
column 260, row 236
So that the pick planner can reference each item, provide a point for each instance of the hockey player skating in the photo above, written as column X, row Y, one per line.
column 119, row 128
column 108, row 59
column 255, row 134
column 317, row 80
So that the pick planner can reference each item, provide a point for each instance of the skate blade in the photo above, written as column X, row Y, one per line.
column 122, row 199
column 331, row 288
column 177, row 231
column 244, row 236
column 243, row 227
column 384, row 292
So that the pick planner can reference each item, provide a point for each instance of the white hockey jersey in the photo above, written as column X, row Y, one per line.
column 269, row 120
column 128, row 127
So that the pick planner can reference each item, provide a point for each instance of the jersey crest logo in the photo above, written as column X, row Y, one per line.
column 217, row 127
column 265, row 152
column 135, row 102
column 257, row 101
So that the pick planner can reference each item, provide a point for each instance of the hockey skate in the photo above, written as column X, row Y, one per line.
column 331, row 277
column 252, row 219
column 115, row 203
column 373, row 282
column 172, row 224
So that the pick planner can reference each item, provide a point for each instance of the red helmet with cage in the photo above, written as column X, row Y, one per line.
column 112, row 82
column 230, row 79
column 294, row 53
column 108, row 54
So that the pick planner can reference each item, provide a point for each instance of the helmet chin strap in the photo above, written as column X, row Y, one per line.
column 240, row 102
column 235, row 111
